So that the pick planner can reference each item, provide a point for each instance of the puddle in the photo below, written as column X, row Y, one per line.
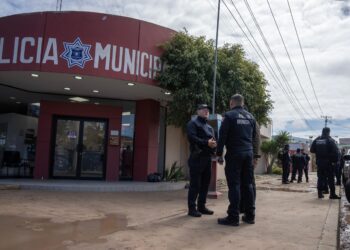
column 33, row 234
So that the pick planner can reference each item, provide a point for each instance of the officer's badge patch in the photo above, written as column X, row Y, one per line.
column 76, row 53
column 242, row 122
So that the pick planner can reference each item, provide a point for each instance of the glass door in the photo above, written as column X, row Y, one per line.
column 79, row 149
column 93, row 149
column 66, row 148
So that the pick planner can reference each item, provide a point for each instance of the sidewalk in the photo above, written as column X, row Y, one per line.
column 42, row 219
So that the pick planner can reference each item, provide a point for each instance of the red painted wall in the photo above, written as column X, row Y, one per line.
column 146, row 138
column 91, row 28
column 48, row 109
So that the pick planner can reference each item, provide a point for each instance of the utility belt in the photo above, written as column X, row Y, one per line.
column 197, row 152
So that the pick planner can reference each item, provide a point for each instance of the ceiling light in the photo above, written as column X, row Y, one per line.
column 167, row 93
column 13, row 98
column 35, row 75
column 78, row 99
column 131, row 84
column 66, row 88
column 18, row 102
column 36, row 104
column 95, row 91
column 78, row 77
column 97, row 103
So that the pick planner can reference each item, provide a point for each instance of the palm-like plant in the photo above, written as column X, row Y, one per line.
column 271, row 148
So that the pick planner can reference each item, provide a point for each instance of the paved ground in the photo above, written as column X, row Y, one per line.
column 41, row 219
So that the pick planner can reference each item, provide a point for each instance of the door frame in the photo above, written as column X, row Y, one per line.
column 81, row 120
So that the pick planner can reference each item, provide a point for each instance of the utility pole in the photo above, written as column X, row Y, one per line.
column 326, row 119
column 59, row 5
column 216, row 58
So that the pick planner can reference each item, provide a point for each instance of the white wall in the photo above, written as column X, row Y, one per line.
column 177, row 149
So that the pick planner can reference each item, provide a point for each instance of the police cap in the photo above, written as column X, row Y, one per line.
column 203, row 106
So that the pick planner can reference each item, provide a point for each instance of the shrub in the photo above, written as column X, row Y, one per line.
column 174, row 173
column 276, row 170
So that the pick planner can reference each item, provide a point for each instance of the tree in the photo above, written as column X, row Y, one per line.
column 188, row 76
column 272, row 147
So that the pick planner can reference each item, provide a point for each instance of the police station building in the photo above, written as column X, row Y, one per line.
column 79, row 98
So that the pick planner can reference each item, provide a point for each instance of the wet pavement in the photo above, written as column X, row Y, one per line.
column 44, row 220
column 41, row 233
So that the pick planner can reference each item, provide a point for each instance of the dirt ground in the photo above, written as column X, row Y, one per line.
column 32, row 219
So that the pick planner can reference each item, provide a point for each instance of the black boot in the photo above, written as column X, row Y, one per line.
column 228, row 222
column 204, row 210
column 248, row 220
column 194, row 213
column 320, row 195
column 334, row 197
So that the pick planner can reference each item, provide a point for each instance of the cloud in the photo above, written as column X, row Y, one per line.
column 323, row 26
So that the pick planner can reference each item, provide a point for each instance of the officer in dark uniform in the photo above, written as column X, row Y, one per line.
column 238, row 134
column 326, row 152
column 286, row 160
column 202, row 146
column 294, row 169
column 298, row 161
column 306, row 167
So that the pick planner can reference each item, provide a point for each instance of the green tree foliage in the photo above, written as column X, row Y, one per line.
column 188, row 76
column 272, row 147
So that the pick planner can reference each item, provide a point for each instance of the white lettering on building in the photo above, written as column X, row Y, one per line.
column 21, row 48
column 126, row 60
column 51, row 45
column 103, row 54
column 29, row 50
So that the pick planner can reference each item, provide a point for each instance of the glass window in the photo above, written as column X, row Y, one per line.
column 127, row 143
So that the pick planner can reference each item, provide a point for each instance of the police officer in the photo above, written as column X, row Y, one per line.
column 286, row 160
column 326, row 152
column 298, row 164
column 238, row 134
column 306, row 167
column 202, row 146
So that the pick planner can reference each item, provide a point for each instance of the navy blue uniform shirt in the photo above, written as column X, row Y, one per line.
column 238, row 132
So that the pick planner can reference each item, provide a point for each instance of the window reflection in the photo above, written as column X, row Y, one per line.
column 127, row 145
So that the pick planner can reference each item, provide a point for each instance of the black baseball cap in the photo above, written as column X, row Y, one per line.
column 203, row 106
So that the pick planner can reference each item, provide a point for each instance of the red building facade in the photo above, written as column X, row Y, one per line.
column 86, row 70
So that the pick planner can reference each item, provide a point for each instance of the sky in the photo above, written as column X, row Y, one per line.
column 323, row 27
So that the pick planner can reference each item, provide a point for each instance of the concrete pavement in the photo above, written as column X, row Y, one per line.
column 41, row 219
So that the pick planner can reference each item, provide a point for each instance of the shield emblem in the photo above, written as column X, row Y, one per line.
column 77, row 53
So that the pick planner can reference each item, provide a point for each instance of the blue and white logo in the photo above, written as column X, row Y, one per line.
column 76, row 53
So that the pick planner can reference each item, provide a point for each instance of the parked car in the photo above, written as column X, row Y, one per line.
column 346, row 175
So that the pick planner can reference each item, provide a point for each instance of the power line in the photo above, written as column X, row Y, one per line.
column 273, row 57
column 285, row 92
column 274, row 75
column 290, row 60
column 302, row 52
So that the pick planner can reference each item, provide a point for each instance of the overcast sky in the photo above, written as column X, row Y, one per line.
column 324, row 31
